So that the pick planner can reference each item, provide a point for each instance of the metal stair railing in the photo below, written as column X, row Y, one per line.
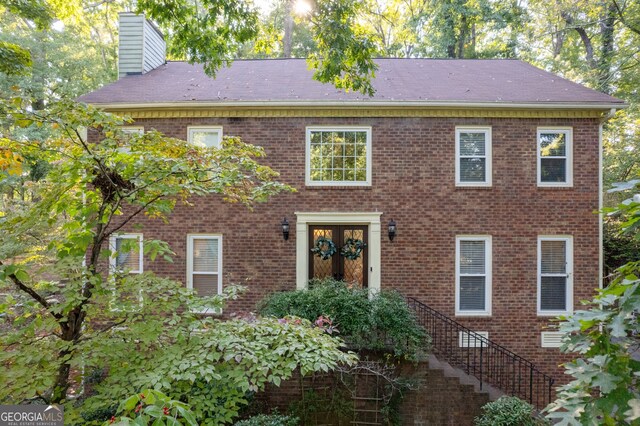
column 487, row 361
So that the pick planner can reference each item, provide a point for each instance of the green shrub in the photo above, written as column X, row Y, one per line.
column 508, row 411
column 384, row 322
column 269, row 420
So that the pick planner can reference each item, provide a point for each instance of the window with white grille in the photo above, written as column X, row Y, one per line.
column 473, row 156
column 338, row 156
column 204, row 264
column 205, row 136
column 555, row 157
column 473, row 275
column 555, row 273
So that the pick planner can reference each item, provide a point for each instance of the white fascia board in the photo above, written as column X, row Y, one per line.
column 361, row 104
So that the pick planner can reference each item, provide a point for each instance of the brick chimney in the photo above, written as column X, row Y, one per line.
column 141, row 46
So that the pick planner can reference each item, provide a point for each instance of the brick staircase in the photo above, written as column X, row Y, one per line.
column 477, row 361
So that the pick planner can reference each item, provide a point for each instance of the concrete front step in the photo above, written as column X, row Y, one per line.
column 464, row 378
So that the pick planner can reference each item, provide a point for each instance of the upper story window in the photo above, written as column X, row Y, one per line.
column 338, row 156
column 473, row 275
column 555, row 167
column 127, row 253
column 555, row 275
column 473, row 156
column 205, row 136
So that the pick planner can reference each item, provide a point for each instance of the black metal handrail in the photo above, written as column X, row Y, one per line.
column 478, row 356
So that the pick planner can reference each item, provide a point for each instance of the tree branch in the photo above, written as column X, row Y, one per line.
column 34, row 295
column 623, row 20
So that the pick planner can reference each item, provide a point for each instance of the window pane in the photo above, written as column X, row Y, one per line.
column 205, row 255
column 553, row 296
column 472, row 257
column 206, row 138
column 553, row 144
column 553, row 169
column 472, row 170
column 338, row 156
column 554, row 257
column 472, row 293
column 205, row 285
column 472, row 144
column 127, row 260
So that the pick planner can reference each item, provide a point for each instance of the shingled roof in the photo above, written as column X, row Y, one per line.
column 398, row 81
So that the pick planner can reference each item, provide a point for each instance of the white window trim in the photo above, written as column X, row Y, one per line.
column 487, row 155
column 568, row 131
column 310, row 129
column 372, row 220
column 488, row 275
column 112, row 248
column 190, row 239
column 191, row 129
column 569, row 272
column 133, row 129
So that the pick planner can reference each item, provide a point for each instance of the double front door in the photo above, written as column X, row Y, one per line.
column 346, row 263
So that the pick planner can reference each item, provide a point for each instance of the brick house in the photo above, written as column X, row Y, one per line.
column 489, row 171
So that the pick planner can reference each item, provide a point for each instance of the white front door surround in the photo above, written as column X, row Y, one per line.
column 372, row 220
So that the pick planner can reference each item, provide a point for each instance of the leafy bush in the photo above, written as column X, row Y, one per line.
column 152, row 407
column 269, row 420
column 381, row 323
column 507, row 411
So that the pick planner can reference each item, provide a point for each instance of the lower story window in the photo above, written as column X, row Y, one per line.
column 204, row 264
column 473, row 275
column 555, row 272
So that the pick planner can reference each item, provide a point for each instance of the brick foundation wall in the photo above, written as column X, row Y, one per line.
column 413, row 183
column 434, row 399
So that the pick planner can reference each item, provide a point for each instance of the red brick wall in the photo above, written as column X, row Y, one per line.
column 435, row 399
column 413, row 183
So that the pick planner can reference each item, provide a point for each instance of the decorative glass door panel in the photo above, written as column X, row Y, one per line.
column 340, row 252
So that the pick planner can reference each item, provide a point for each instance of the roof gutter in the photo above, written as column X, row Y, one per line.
column 357, row 104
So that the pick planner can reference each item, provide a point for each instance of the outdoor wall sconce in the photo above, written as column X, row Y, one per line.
column 392, row 229
column 285, row 229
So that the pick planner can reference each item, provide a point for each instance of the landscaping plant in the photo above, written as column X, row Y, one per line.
column 508, row 411
column 383, row 322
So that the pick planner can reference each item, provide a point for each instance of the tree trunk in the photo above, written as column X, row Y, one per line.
column 607, row 50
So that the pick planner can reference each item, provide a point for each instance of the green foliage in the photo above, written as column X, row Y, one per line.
column 380, row 323
column 269, row 420
column 14, row 59
column 507, row 411
column 619, row 248
column 605, row 386
column 207, row 32
column 334, row 402
column 53, row 327
column 151, row 407
column 210, row 364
